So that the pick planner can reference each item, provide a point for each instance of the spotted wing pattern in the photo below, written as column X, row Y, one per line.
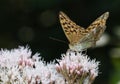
column 96, row 29
column 78, row 35
column 72, row 31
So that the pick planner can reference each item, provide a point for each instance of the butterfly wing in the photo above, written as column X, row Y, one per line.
column 72, row 31
column 97, row 28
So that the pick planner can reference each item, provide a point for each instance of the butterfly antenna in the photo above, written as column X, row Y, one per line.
column 58, row 40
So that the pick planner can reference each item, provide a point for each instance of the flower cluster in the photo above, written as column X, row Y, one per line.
column 19, row 66
column 77, row 68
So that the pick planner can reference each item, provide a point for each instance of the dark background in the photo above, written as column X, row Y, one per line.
column 32, row 22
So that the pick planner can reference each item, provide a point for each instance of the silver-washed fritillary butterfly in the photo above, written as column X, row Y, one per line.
column 79, row 37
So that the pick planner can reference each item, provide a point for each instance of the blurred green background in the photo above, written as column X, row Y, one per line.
column 33, row 22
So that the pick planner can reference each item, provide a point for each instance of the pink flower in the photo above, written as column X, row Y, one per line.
column 77, row 67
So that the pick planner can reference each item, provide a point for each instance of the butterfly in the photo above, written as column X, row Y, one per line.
column 80, row 38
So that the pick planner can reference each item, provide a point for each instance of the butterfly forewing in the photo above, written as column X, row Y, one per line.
column 98, row 26
column 72, row 31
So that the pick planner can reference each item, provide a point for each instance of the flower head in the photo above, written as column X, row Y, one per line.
column 19, row 66
column 75, row 66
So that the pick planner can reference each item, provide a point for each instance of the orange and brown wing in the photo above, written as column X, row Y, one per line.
column 72, row 31
column 98, row 26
